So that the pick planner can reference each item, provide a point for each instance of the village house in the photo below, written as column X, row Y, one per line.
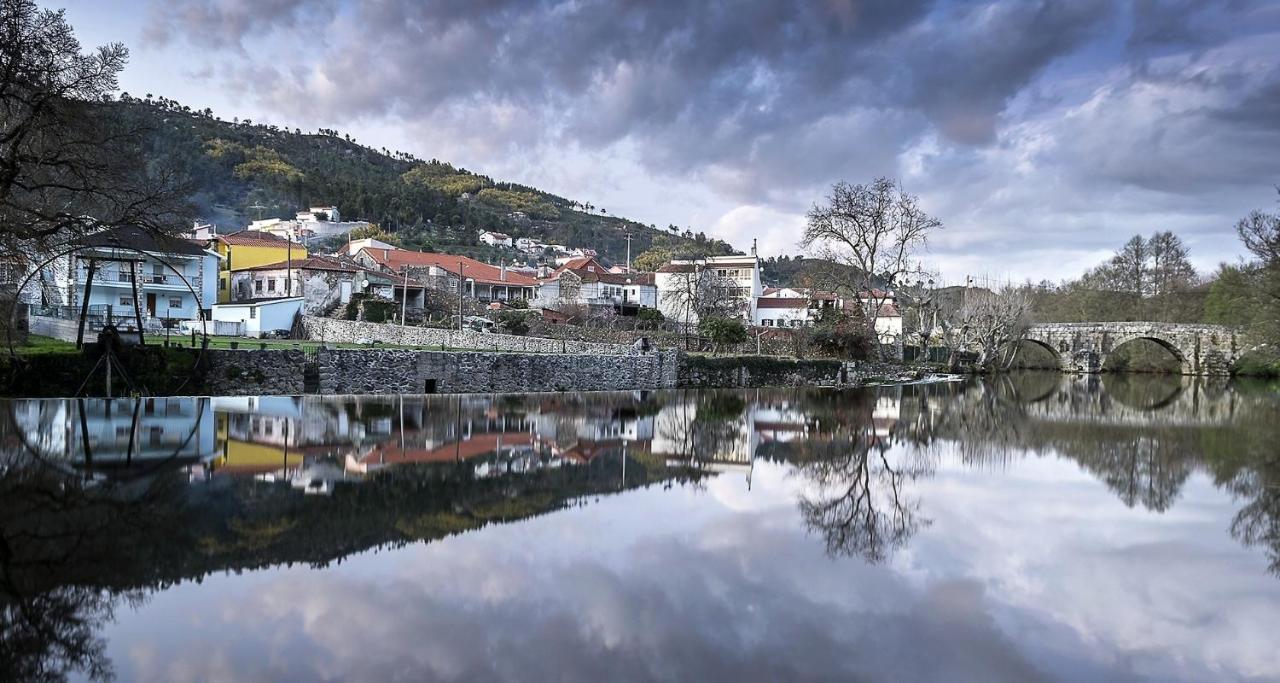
column 322, row 283
column 585, row 281
column 495, row 239
column 791, row 307
column 137, row 275
column 248, row 249
column 442, row 272
column 733, row 280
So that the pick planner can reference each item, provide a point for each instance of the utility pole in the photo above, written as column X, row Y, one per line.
column 461, row 282
column 628, row 251
column 404, row 295
column 288, row 273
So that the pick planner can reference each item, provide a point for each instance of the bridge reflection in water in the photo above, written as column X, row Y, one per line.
column 102, row 499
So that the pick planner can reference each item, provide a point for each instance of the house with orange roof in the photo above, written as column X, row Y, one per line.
column 444, row 272
column 323, row 283
column 585, row 281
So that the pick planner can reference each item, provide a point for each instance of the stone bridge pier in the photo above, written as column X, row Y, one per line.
column 1084, row 347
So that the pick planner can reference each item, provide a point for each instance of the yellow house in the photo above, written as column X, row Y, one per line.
column 248, row 249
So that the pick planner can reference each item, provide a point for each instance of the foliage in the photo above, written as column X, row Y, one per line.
column 651, row 260
column 842, row 335
column 650, row 317
column 514, row 322
column 722, row 331
column 374, row 232
column 532, row 204
column 379, row 311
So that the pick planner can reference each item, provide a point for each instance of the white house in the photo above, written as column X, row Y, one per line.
column 782, row 312
column 495, row 239
column 139, row 274
column 587, row 282
column 888, row 318
column 791, row 307
column 731, row 279
column 261, row 317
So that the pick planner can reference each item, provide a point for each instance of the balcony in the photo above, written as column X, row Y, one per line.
column 152, row 281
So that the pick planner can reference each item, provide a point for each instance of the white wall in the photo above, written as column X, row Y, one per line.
column 259, row 318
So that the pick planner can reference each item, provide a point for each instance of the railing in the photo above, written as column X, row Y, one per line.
column 168, row 279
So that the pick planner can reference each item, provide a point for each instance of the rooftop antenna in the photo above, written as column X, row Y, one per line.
column 258, row 207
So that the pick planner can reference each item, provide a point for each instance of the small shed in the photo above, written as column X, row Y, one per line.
column 260, row 316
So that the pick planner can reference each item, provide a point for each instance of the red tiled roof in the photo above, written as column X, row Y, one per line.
column 775, row 302
column 396, row 259
column 678, row 268
column 311, row 263
column 580, row 262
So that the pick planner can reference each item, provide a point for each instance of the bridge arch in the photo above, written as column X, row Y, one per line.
column 1185, row 364
column 1056, row 354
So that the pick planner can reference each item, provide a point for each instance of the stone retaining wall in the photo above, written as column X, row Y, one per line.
column 382, row 371
column 252, row 373
column 356, row 332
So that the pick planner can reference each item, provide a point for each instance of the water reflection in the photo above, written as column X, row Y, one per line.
column 103, row 503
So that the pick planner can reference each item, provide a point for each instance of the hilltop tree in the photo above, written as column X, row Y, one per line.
column 65, row 167
column 877, row 229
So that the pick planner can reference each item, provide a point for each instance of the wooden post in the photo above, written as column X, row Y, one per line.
column 84, row 304
column 137, row 309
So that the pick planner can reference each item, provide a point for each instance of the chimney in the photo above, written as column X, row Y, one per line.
column 502, row 274
column 753, row 247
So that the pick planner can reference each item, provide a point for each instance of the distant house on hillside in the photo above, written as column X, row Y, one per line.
column 496, row 239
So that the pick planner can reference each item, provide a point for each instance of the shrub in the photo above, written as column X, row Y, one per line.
column 844, row 336
column 722, row 331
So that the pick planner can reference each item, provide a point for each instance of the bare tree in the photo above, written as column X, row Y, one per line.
column 67, row 164
column 698, row 293
column 876, row 230
column 990, row 323
column 1260, row 233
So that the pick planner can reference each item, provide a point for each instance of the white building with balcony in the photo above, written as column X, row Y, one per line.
column 683, row 286
column 140, row 275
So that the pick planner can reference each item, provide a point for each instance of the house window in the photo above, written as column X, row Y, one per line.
column 257, row 285
column 175, row 302
column 767, row 322
column 253, row 312
column 271, row 285
column 126, row 301
column 222, row 284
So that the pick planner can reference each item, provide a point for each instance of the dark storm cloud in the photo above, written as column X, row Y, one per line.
column 1012, row 119
column 696, row 83
column 219, row 23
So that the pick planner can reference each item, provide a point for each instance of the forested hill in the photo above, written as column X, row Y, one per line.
column 241, row 170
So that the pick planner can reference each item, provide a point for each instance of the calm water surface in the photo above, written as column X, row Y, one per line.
column 1034, row 528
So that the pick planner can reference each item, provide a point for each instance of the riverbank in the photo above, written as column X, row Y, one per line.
column 156, row 370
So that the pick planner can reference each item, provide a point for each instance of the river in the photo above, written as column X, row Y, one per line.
column 1033, row 527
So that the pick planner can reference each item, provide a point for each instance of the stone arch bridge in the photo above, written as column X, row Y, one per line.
column 1084, row 347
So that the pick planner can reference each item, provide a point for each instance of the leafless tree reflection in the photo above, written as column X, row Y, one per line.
column 858, row 495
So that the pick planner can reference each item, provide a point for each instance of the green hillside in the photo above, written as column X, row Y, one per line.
column 240, row 170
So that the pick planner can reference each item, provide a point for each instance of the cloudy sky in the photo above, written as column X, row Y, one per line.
column 1041, row 133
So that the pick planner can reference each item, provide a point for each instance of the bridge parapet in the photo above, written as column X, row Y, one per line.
column 1084, row 347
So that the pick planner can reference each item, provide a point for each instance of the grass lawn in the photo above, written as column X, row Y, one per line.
column 37, row 345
